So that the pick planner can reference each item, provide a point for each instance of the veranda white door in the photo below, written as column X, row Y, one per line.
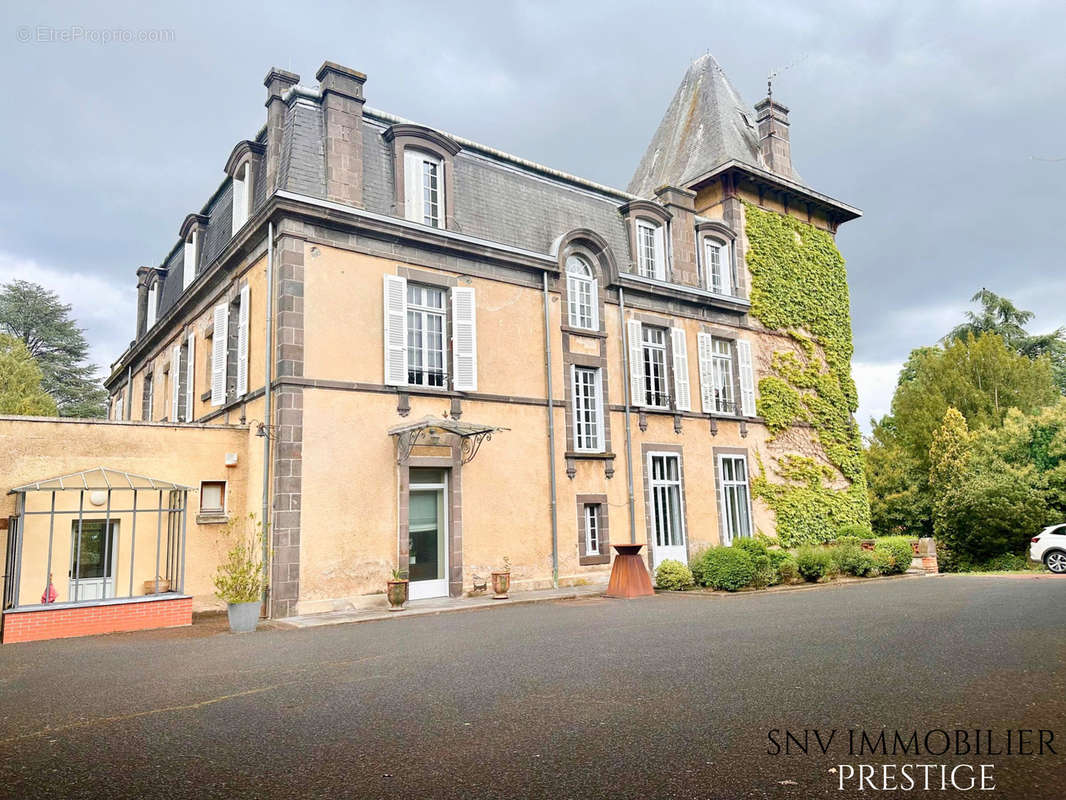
column 92, row 560
column 427, row 534
column 667, row 517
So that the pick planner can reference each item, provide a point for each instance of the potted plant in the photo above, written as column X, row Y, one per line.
column 397, row 592
column 239, row 580
column 501, row 581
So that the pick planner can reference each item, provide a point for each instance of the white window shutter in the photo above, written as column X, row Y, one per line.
column 412, row 186
column 189, row 266
column 705, row 351
column 682, row 391
column 595, row 284
column 574, row 404
column 153, row 305
column 242, row 343
column 395, row 330
column 190, row 379
column 636, row 363
column 464, row 340
column 747, row 378
column 219, row 342
column 660, row 253
column 175, row 372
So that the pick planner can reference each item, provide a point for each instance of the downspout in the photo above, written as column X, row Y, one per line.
column 551, row 434
column 629, row 430
column 267, row 394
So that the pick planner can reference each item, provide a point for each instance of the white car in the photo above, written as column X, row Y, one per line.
column 1049, row 546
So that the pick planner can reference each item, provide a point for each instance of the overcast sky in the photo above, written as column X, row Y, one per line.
column 942, row 121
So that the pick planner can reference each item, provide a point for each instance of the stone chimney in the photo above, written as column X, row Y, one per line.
column 772, row 120
column 342, row 106
column 681, row 205
column 142, row 299
column 277, row 82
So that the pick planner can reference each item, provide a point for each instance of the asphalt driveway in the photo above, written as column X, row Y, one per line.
column 671, row 696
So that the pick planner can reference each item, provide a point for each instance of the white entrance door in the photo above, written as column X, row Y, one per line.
column 427, row 515
column 667, row 517
column 92, row 560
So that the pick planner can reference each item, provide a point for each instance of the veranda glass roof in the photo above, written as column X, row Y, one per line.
column 99, row 478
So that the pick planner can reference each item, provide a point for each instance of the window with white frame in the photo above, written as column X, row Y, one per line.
column 718, row 267
column 653, row 355
column 736, row 498
column 593, row 540
column 426, row 326
column 588, row 409
column 242, row 195
column 668, row 525
column 581, row 294
column 212, row 497
column 191, row 258
column 724, row 394
column 147, row 397
column 153, row 305
column 651, row 255
column 118, row 407
column 423, row 188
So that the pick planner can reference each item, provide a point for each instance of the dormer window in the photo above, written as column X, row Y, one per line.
column 423, row 170
column 242, row 195
column 423, row 188
column 651, row 251
column 717, row 267
column 189, row 269
column 153, row 304
column 582, row 295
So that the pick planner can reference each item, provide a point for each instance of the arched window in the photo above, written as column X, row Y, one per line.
column 718, row 267
column 582, row 294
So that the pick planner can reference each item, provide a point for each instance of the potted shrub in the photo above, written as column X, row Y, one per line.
column 239, row 580
column 501, row 581
column 397, row 591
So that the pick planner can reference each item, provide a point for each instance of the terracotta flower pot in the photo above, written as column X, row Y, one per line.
column 501, row 584
column 397, row 595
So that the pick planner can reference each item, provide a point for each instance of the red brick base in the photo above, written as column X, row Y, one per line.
column 63, row 622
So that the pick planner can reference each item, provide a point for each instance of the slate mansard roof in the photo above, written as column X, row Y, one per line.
column 499, row 197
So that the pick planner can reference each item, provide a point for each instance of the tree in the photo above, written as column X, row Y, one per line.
column 982, row 379
column 984, row 505
column 1000, row 316
column 38, row 318
column 20, row 381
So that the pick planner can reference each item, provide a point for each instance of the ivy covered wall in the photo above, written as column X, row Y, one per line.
column 799, row 287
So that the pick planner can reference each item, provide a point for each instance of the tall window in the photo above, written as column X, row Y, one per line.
column 651, row 257
column 668, row 526
column 588, row 410
column 582, row 302
column 423, row 188
column 426, row 318
column 242, row 195
column 723, row 377
column 191, row 257
column 147, row 398
column 153, row 305
column 736, row 502
column 592, row 528
column 654, row 357
column 718, row 267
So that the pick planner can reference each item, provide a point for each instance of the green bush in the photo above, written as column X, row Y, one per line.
column 673, row 575
column 854, row 532
column 788, row 570
column 765, row 573
column 698, row 567
column 728, row 568
column 753, row 547
column 883, row 561
column 899, row 549
column 777, row 558
column 851, row 559
column 815, row 563
column 1007, row 562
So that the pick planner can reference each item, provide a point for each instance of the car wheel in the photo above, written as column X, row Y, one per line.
column 1056, row 562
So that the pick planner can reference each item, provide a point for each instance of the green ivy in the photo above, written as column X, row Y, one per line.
column 799, row 286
